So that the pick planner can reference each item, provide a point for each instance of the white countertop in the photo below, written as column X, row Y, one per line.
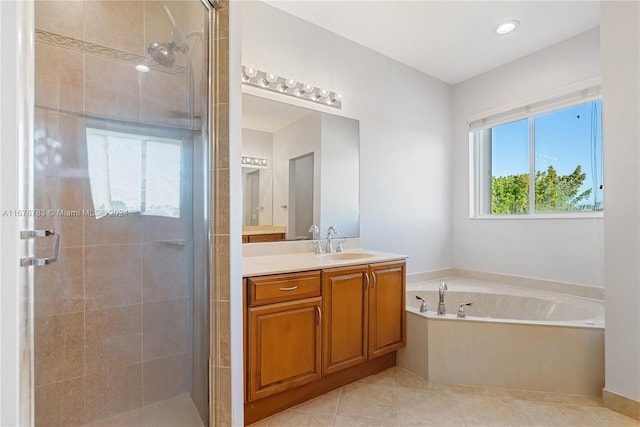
column 287, row 263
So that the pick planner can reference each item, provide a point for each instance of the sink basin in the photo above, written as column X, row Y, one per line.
column 346, row 256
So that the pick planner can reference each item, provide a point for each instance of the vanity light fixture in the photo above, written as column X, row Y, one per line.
column 254, row 161
column 506, row 27
column 287, row 86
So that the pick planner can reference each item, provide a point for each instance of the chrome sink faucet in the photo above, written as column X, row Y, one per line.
column 336, row 233
column 441, row 308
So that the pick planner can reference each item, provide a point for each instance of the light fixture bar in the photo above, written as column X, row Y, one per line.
column 286, row 86
column 254, row 161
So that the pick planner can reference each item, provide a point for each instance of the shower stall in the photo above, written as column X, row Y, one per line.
column 118, row 183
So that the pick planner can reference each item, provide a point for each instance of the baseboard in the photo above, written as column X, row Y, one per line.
column 621, row 404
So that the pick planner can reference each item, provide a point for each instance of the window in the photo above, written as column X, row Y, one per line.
column 134, row 173
column 546, row 163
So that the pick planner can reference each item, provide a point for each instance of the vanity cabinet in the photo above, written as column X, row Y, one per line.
column 307, row 333
column 387, row 308
column 284, row 339
column 364, row 314
column 264, row 237
column 345, row 301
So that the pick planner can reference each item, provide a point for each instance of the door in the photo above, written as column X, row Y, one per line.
column 110, row 215
column 284, row 346
column 301, row 195
column 345, row 323
column 387, row 315
column 253, row 193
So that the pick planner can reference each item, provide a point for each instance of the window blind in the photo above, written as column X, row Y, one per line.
column 573, row 94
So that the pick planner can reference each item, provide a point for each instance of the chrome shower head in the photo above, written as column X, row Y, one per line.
column 162, row 53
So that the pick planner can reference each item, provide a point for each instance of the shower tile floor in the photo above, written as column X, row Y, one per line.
column 177, row 412
column 396, row 397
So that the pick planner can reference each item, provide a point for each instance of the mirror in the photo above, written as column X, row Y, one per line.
column 300, row 167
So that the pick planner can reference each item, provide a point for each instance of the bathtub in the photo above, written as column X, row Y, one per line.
column 512, row 337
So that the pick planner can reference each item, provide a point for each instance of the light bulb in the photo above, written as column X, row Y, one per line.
column 287, row 84
column 333, row 98
column 268, row 79
column 248, row 73
column 142, row 68
column 306, row 88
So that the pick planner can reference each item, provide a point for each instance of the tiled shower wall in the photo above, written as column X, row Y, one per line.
column 113, row 316
column 220, row 292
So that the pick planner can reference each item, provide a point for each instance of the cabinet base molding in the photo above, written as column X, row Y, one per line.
column 259, row 409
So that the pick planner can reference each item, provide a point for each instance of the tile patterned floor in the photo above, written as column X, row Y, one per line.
column 177, row 412
column 396, row 397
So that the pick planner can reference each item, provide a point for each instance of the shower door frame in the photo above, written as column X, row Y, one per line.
column 17, row 107
column 16, row 190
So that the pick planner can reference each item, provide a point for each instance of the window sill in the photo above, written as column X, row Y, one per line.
column 551, row 215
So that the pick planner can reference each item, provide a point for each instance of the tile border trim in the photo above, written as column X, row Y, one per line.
column 102, row 51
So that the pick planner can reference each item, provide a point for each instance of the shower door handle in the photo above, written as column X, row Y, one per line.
column 32, row 234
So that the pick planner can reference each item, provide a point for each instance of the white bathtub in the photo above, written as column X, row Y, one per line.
column 512, row 337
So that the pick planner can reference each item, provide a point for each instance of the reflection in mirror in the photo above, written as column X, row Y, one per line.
column 283, row 198
column 258, row 196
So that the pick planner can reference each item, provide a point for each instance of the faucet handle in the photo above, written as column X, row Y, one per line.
column 317, row 247
column 461, row 313
column 340, row 248
column 423, row 306
column 443, row 286
column 315, row 230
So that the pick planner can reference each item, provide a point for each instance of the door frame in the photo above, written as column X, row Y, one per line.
column 16, row 283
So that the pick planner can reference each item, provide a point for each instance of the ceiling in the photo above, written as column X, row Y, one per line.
column 450, row 40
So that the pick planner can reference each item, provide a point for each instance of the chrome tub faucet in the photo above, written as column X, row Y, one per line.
column 441, row 308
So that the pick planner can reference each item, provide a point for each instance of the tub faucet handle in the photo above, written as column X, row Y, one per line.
column 423, row 306
column 461, row 313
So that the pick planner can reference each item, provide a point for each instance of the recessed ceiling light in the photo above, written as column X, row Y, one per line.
column 142, row 68
column 506, row 27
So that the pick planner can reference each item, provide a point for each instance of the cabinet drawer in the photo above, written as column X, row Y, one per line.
column 283, row 287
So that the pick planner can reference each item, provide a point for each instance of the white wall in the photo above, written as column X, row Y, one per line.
column 298, row 139
column 339, row 200
column 567, row 250
column 620, row 35
column 405, row 154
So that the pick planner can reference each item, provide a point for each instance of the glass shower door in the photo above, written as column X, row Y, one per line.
column 120, row 173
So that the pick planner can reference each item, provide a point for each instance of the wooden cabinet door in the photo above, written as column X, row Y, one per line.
column 387, row 316
column 344, row 335
column 283, row 346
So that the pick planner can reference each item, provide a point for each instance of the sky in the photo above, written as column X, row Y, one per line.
column 562, row 139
